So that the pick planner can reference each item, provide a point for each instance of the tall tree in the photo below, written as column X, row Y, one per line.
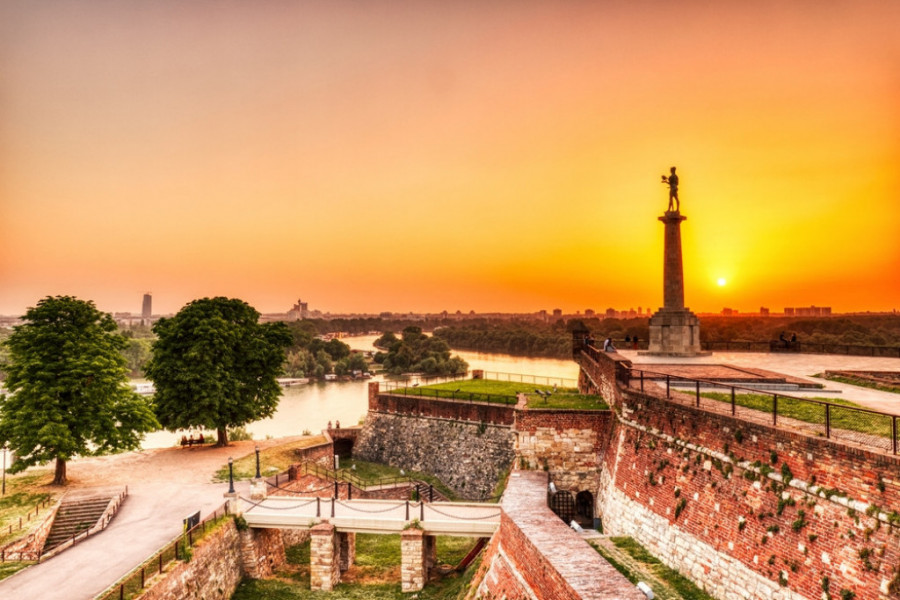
column 215, row 366
column 68, row 385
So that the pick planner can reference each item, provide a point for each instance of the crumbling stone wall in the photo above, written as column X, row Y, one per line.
column 467, row 456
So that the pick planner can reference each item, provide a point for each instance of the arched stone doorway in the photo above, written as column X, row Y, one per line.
column 584, row 508
column 563, row 504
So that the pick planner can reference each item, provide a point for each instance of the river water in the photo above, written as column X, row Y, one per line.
column 310, row 407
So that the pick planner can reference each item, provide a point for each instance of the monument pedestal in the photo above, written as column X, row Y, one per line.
column 674, row 332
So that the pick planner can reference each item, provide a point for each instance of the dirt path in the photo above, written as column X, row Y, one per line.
column 163, row 465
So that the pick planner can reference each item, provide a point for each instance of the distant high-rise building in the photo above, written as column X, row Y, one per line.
column 557, row 313
column 147, row 308
column 763, row 311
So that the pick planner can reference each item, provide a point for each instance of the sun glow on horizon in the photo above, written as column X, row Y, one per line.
column 428, row 156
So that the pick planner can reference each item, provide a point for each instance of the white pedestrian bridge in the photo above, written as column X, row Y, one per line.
column 374, row 516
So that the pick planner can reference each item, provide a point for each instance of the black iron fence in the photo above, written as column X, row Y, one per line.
column 832, row 420
column 179, row 548
column 402, row 389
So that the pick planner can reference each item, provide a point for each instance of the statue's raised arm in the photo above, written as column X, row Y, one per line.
column 672, row 180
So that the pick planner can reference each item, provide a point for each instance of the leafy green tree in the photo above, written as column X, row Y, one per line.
column 69, row 392
column 214, row 365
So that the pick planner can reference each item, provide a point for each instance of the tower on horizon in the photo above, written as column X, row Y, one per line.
column 147, row 308
column 674, row 330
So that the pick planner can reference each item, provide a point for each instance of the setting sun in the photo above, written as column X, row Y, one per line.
column 721, row 281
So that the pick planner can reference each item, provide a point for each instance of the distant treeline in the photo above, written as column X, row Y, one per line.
column 554, row 340
column 861, row 330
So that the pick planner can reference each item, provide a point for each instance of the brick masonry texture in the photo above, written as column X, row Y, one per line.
column 535, row 555
column 568, row 444
column 742, row 531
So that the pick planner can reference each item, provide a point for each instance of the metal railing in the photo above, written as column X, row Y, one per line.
column 862, row 426
column 422, row 489
column 134, row 581
column 460, row 395
column 21, row 525
column 802, row 347
column 531, row 379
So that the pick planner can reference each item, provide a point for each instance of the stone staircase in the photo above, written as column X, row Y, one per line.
column 73, row 517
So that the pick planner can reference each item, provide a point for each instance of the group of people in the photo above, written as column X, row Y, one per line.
column 192, row 441
column 608, row 342
column 785, row 342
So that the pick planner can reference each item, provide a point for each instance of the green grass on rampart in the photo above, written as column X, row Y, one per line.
column 490, row 390
column 812, row 412
column 634, row 562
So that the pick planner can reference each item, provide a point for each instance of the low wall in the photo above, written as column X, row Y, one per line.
column 30, row 546
column 535, row 555
column 213, row 572
column 454, row 410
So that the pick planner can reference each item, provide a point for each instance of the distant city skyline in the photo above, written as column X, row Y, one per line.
column 428, row 156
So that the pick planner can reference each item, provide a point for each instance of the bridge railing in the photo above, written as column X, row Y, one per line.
column 403, row 389
column 832, row 420
column 317, row 470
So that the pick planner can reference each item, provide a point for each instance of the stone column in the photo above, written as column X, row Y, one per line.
column 430, row 553
column 347, row 542
column 233, row 503
column 674, row 330
column 673, row 271
column 324, row 558
column 373, row 394
column 258, row 489
column 412, row 551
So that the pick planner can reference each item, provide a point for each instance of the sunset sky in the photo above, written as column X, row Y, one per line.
column 430, row 155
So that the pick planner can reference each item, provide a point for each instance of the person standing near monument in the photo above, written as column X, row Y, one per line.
column 672, row 180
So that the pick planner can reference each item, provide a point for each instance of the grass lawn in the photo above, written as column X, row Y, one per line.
column 666, row 583
column 271, row 460
column 863, row 382
column 489, row 390
column 810, row 412
column 375, row 576
column 24, row 491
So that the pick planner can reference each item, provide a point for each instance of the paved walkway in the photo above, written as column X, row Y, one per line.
column 164, row 487
column 803, row 366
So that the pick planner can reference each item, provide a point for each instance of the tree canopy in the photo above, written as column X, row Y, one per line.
column 215, row 366
column 68, row 385
column 418, row 352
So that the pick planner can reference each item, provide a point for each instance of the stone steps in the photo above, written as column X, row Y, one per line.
column 73, row 517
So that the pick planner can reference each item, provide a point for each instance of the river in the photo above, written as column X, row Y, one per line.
column 310, row 407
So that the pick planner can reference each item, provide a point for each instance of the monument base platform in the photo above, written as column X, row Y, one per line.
column 676, row 333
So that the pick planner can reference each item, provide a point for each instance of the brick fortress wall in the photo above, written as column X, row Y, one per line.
column 747, row 510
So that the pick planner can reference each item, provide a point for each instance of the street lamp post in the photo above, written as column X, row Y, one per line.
column 257, row 462
column 230, row 475
column 5, row 447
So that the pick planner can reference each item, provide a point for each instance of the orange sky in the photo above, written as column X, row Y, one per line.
column 422, row 156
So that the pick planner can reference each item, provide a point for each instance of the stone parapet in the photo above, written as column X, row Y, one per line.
column 535, row 555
